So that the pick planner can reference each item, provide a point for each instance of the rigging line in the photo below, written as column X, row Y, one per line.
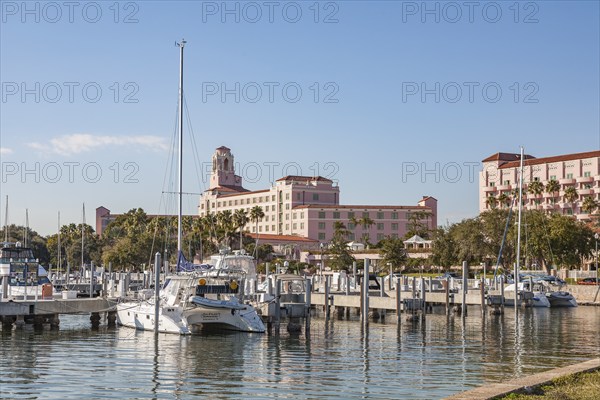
column 506, row 227
column 197, row 161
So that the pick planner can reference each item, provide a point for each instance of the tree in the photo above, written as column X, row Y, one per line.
column 491, row 201
column 416, row 226
column 504, row 200
column 340, row 255
column 37, row 243
column 256, row 214
column 536, row 188
column 552, row 187
column 240, row 219
column 589, row 205
column 571, row 195
column 443, row 248
column 393, row 252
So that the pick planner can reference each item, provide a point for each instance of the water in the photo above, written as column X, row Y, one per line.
column 428, row 360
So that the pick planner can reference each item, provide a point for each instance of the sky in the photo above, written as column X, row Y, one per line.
column 393, row 100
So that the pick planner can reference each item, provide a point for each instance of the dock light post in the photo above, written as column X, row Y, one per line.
column 596, row 236
column 322, row 246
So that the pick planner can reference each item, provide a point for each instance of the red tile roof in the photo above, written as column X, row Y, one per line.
column 547, row 160
column 506, row 157
column 358, row 207
column 282, row 238
column 245, row 193
column 303, row 179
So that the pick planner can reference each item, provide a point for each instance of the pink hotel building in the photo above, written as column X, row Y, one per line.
column 304, row 206
column 580, row 171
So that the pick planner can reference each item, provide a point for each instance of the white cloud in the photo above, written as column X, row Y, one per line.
column 82, row 142
column 5, row 150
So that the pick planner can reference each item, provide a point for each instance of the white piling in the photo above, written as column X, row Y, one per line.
column 465, row 283
column 156, row 290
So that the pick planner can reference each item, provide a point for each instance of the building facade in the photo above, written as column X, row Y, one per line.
column 307, row 206
column 572, row 178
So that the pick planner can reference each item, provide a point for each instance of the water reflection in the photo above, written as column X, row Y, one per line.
column 432, row 357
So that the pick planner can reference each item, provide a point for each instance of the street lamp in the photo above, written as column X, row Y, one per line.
column 596, row 236
column 322, row 246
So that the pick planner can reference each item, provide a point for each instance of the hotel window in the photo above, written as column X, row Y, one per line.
column 235, row 202
column 219, row 204
column 248, row 201
column 321, row 235
column 253, row 200
column 507, row 182
column 315, row 196
column 287, row 227
column 536, row 179
column 394, row 215
column 287, row 196
column 302, row 215
column 350, row 214
column 380, row 226
column 294, row 226
column 394, row 226
column 569, row 211
column 322, row 214
column 492, row 184
column 321, row 225
column 287, row 206
column 260, row 228
column 569, row 176
column 273, row 198
column 297, row 196
column 266, row 217
column 287, row 217
column 351, row 226
column 587, row 186
column 587, row 174
column 552, row 177
column 380, row 215
column 202, row 206
column 365, row 215
column 267, row 228
column 395, row 235
column 273, row 228
column 380, row 236
column 336, row 215
column 293, row 215
column 351, row 236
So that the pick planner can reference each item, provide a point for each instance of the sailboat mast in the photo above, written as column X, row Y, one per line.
column 82, row 230
column 59, row 255
column 180, row 158
column 6, row 222
column 518, row 263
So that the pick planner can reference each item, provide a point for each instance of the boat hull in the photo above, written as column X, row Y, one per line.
column 195, row 317
column 561, row 299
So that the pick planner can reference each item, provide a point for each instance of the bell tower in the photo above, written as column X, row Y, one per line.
column 223, row 170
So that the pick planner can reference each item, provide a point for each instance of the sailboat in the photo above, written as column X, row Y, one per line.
column 195, row 297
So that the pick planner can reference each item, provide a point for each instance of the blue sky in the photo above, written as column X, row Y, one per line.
column 393, row 99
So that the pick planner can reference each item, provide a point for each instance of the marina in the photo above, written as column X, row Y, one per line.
column 433, row 358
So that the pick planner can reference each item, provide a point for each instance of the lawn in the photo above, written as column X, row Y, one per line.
column 582, row 386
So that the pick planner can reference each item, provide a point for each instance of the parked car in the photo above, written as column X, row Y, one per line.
column 588, row 281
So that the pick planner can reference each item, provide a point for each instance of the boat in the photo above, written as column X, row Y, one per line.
column 22, row 275
column 558, row 298
column 292, row 296
column 195, row 297
column 530, row 296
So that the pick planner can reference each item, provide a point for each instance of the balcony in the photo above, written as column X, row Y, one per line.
column 550, row 195
column 583, row 216
column 504, row 187
column 488, row 189
column 566, row 181
column 585, row 191
column 585, row 179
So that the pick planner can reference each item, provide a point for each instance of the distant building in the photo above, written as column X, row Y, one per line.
column 103, row 218
column 307, row 206
column 498, row 181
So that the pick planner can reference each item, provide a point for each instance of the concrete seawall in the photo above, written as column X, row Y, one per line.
column 585, row 294
column 495, row 390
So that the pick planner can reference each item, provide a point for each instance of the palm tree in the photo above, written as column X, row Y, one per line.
column 240, row 219
column 571, row 195
column 491, row 201
column 256, row 214
column 536, row 188
column 504, row 200
column 366, row 223
column 226, row 225
column 552, row 186
column 589, row 205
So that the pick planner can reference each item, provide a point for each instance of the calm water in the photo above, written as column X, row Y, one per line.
column 418, row 360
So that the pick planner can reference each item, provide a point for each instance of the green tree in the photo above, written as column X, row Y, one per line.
column 392, row 252
column 417, row 224
column 571, row 196
column 504, row 200
column 340, row 256
column 589, row 204
column 240, row 219
column 256, row 214
column 37, row 243
column 443, row 248
column 536, row 188
column 491, row 201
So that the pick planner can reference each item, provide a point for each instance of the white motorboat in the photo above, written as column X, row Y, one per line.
column 21, row 274
column 561, row 298
column 535, row 297
column 192, row 302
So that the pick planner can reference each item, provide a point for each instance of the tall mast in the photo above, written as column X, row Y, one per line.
column 59, row 255
column 6, row 221
column 518, row 263
column 26, row 230
column 180, row 158
column 82, row 230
